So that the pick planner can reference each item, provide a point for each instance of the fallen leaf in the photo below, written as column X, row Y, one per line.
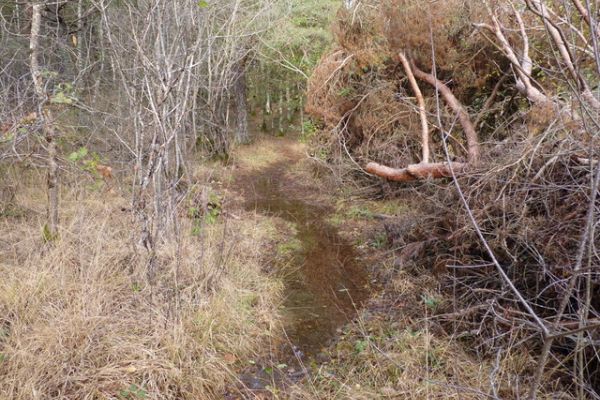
column 105, row 171
column 229, row 358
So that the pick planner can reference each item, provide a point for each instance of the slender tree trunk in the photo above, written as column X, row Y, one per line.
column 79, row 38
column 18, row 16
column 269, row 112
column 288, row 105
column 101, row 57
column 45, row 117
column 302, row 119
column 280, row 112
column 241, row 135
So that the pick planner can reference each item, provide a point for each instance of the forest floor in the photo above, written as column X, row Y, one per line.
column 355, row 324
column 288, row 287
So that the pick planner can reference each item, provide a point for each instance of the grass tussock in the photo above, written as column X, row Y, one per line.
column 80, row 318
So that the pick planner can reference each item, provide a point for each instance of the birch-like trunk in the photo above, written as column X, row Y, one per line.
column 45, row 117
column 79, row 41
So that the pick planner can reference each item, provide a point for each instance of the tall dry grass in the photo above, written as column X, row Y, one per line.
column 79, row 318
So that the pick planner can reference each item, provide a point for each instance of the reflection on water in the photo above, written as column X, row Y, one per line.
column 328, row 283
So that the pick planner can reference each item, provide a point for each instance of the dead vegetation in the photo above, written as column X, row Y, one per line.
column 82, row 318
column 511, row 116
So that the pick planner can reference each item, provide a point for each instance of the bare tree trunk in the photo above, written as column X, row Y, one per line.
column 288, row 104
column 80, row 39
column 280, row 112
column 426, row 170
column 270, row 113
column 101, row 58
column 45, row 117
column 18, row 16
column 242, row 135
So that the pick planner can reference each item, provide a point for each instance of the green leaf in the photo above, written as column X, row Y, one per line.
column 136, row 287
column 61, row 98
column 430, row 302
column 7, row 138
column 73, row 157
column 202, row 4
column 133, row 392
column 211, row 216
column 78, row 155
column 196, row 229
column 361, row 345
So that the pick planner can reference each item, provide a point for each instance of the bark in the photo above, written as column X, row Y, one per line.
column 241, row 105
column 269, row 112
column 422, row 110
column 46, row 119
column 457, row 107
column 415, row 172
column 425, row 169
column 280, row 112
column 557, row 37
column 522, row 65
column 288, row 104
column 79, row 40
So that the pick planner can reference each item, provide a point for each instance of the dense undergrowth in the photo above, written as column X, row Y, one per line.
column 83, row 318
column 529, row 195
column 99, row 311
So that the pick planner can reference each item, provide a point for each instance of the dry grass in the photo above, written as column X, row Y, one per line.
column 80, row 320
column 265, row 152
column 394, row 350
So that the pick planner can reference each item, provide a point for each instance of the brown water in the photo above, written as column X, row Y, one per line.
column 327, row 282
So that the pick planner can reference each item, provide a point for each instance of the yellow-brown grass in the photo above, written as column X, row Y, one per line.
column 80, row 320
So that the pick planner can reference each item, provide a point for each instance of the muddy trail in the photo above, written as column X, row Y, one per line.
column 326, row 282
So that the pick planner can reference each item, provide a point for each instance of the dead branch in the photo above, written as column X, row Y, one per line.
column 415, row 172
column 421, row 103
column 458, row 108
column 425, row 169
column 522, row 68
column 558, row 37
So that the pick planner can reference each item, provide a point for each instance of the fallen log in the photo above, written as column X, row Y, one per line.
column 414, row 172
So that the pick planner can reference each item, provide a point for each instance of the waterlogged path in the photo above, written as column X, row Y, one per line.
column 327, row 282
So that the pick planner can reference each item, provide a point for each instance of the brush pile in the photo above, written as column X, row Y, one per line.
column 513, row 233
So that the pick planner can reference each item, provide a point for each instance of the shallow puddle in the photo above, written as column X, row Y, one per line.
column 327, row 282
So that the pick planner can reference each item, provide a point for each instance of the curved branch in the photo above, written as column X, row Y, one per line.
column 458, row 108
column 421, row 103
